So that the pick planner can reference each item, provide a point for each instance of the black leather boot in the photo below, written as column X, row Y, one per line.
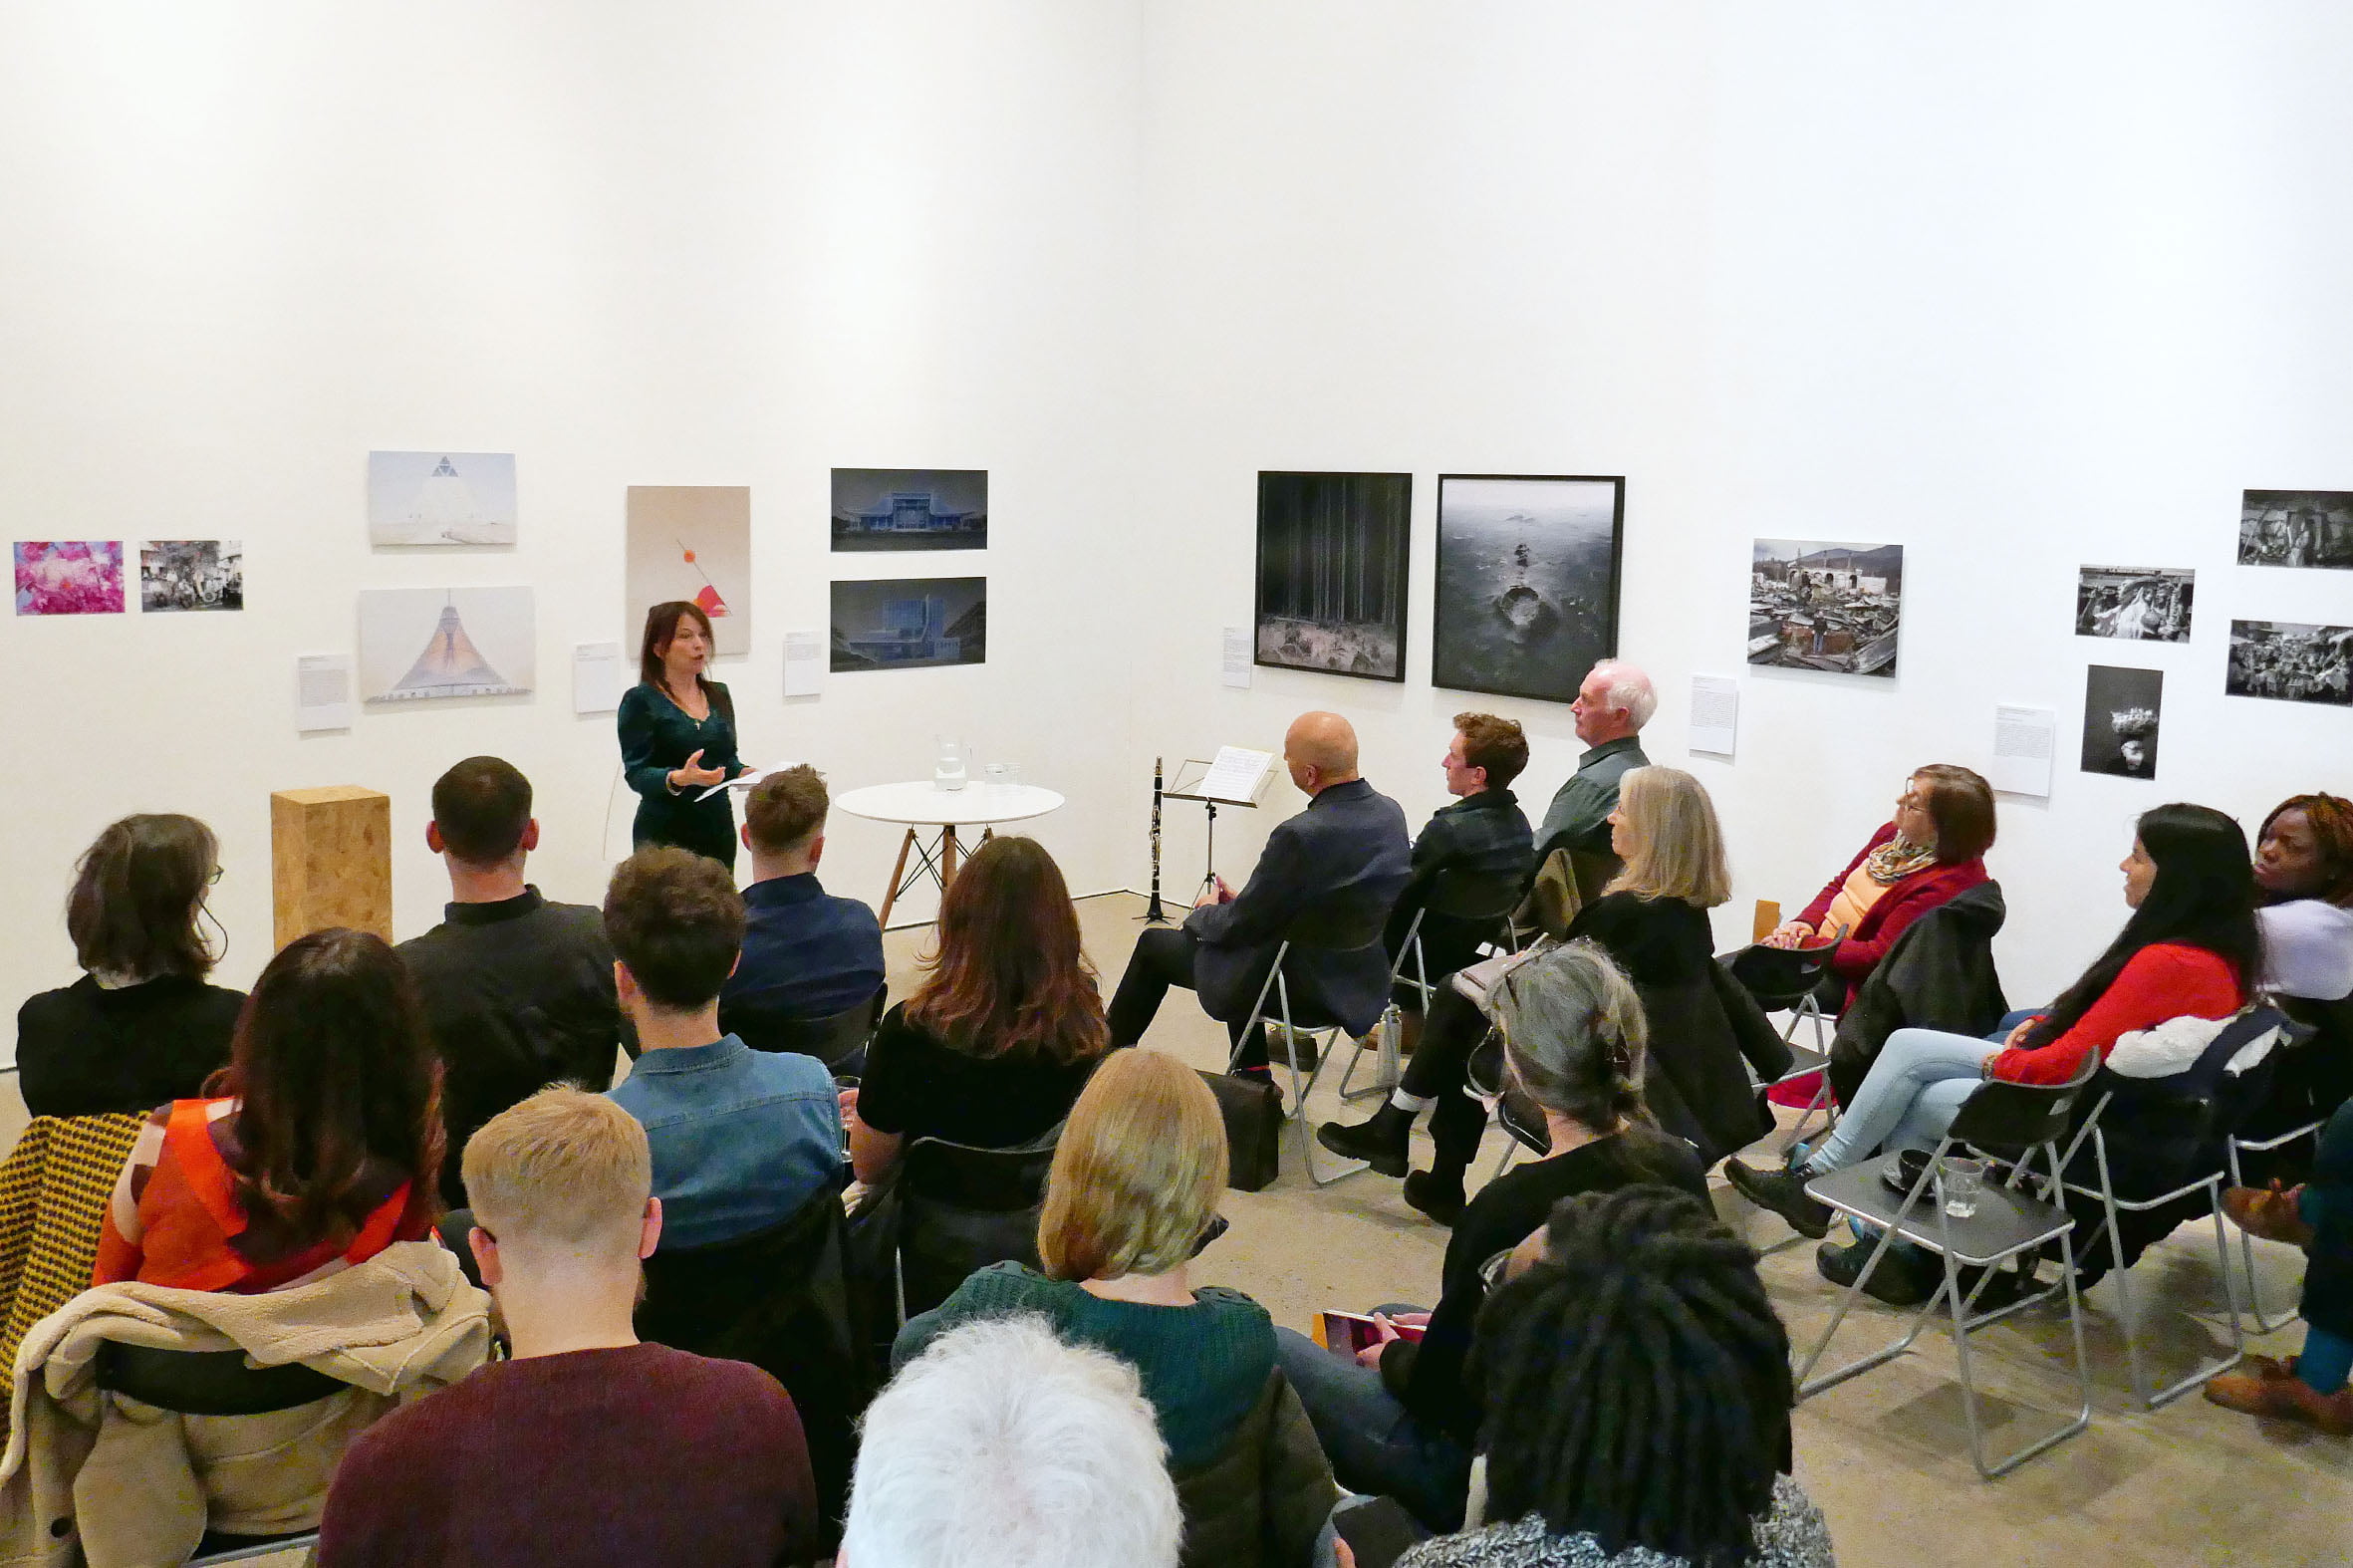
column 1379, row 1142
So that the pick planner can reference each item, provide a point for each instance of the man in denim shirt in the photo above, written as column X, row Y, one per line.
column 741, row 1139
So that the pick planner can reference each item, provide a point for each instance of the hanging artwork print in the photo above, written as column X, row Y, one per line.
column 1828, row 607
column 2146, row 603
column 1332, row 572
column 442, row 498
column 417, row 644
column 2291, row 661
column 2120, row 713
column 190, row 573
column 693, row 542
column 911, row 509
column 2296, row 528
column 69, row 577
column 1527, row 583
column 908, row 623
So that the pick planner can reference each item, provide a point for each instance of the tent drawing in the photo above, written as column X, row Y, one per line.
column 449, row 666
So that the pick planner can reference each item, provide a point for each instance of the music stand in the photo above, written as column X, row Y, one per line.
column 1191, row 774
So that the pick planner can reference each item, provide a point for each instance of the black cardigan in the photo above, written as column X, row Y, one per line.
column 84, row 1050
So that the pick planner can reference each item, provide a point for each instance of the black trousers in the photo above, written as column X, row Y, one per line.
column 1163, row 957
column 1440, row 1071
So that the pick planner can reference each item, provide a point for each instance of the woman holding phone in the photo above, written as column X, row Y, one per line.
column 678, row 737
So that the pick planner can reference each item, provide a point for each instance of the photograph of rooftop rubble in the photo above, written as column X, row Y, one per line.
column 1817, row 605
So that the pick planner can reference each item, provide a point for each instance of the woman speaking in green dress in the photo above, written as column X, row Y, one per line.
column 678, row 737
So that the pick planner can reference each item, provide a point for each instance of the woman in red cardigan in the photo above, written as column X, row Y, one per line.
column 2191, row 950
column 1934, row 850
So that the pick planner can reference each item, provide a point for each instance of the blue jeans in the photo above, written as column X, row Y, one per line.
column 2325, row 1362
column 1374, row 1443
column 1909, row 1098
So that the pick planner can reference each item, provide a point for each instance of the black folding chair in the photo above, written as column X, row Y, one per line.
column 964, row 1208
column 2298, row 1107
column 1521, row 1119
column 2008, row 1123
column 1475, row 899
column 215, row 1383
column 1788, row 980
column 832, row 1041
column 1327, row 932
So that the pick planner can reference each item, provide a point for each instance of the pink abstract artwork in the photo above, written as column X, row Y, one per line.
column 69, row 577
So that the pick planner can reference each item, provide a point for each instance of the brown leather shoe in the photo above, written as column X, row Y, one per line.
column 2268, row 1212
column 2287, row 1397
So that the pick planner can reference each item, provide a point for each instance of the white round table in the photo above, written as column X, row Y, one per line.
column 923, row 804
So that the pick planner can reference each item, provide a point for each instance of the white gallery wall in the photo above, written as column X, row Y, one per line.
column 718, row 244
column 2021, row 288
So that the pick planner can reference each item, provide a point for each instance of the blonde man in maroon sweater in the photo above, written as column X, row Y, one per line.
column 586, row 1448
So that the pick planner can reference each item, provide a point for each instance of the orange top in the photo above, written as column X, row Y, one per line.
column 176, row 1219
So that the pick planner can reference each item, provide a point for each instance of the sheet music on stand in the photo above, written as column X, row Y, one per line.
column 1234, row 777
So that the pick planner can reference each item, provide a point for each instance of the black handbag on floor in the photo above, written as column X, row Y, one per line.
column 1254, row 1112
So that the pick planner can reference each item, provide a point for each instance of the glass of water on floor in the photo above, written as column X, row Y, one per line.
column 1958, row 1181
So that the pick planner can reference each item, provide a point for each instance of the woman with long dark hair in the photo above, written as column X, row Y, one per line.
column 318, row 1147
column 1638, row 1400
column 140, row 1026
column 678, row 737
column 994, row 1046
column 2191, row 950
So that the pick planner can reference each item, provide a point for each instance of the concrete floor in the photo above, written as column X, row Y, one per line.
column 1884, row 1455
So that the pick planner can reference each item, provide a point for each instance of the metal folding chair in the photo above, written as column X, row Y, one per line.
column 2004, row 1120
column 1348, row 930
column 1471, row 897
column 2290, row 1115
column 1790, row 978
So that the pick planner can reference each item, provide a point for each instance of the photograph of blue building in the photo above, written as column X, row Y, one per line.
column 911, row 509
column 908, row 623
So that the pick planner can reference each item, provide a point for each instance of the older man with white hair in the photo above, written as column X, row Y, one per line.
column 1612, row 707
column 1000, row 1446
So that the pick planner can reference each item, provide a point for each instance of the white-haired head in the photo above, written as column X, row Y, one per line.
column 1000, row 1446
column 1616, row 699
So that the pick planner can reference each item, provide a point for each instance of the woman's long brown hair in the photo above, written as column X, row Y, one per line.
column 1009, row 976
column 333, row 1064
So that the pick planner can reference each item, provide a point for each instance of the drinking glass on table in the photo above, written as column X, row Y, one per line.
column 1959, row 1181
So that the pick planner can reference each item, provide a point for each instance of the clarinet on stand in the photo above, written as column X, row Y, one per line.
column 1152, row 914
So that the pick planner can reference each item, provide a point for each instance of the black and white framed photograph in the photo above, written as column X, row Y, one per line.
column 2120, row 713
column 910, row 622
column 2296, row 528
column 1816, row 605
column 1527, row 582
column 2134, row 603
column 911, row 509
column 2289, row 661
column 177, row 575
column 1332, row 572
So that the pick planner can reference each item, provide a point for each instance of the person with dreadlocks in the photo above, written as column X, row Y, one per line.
column 2304, row 882
column 1637, row 1399
column 1403, row 1419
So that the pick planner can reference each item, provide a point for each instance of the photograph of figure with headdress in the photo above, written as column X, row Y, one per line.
column 2120, row 714
column 2134, row 604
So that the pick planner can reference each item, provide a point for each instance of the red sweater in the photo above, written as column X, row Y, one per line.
column 1902, row 902
column 2163, row 981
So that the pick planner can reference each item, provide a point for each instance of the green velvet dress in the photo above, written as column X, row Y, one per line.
column 658, row 735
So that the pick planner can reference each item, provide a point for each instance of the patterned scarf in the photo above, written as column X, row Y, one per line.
column 1898, row 859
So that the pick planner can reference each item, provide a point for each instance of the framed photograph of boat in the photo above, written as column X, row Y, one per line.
column 1824, row 605
column 1331, row 573
column 1527, row 582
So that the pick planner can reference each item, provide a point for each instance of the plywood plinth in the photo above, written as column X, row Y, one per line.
column 331, row 860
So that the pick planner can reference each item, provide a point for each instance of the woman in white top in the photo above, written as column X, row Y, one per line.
column 2304, row 869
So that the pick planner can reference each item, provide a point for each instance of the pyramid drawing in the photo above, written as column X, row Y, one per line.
column 449, row 666
column 442, row 498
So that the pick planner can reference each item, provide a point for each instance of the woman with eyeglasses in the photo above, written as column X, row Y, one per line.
column 140, row 1026
column 1401, row 1420
column 1932, row 851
